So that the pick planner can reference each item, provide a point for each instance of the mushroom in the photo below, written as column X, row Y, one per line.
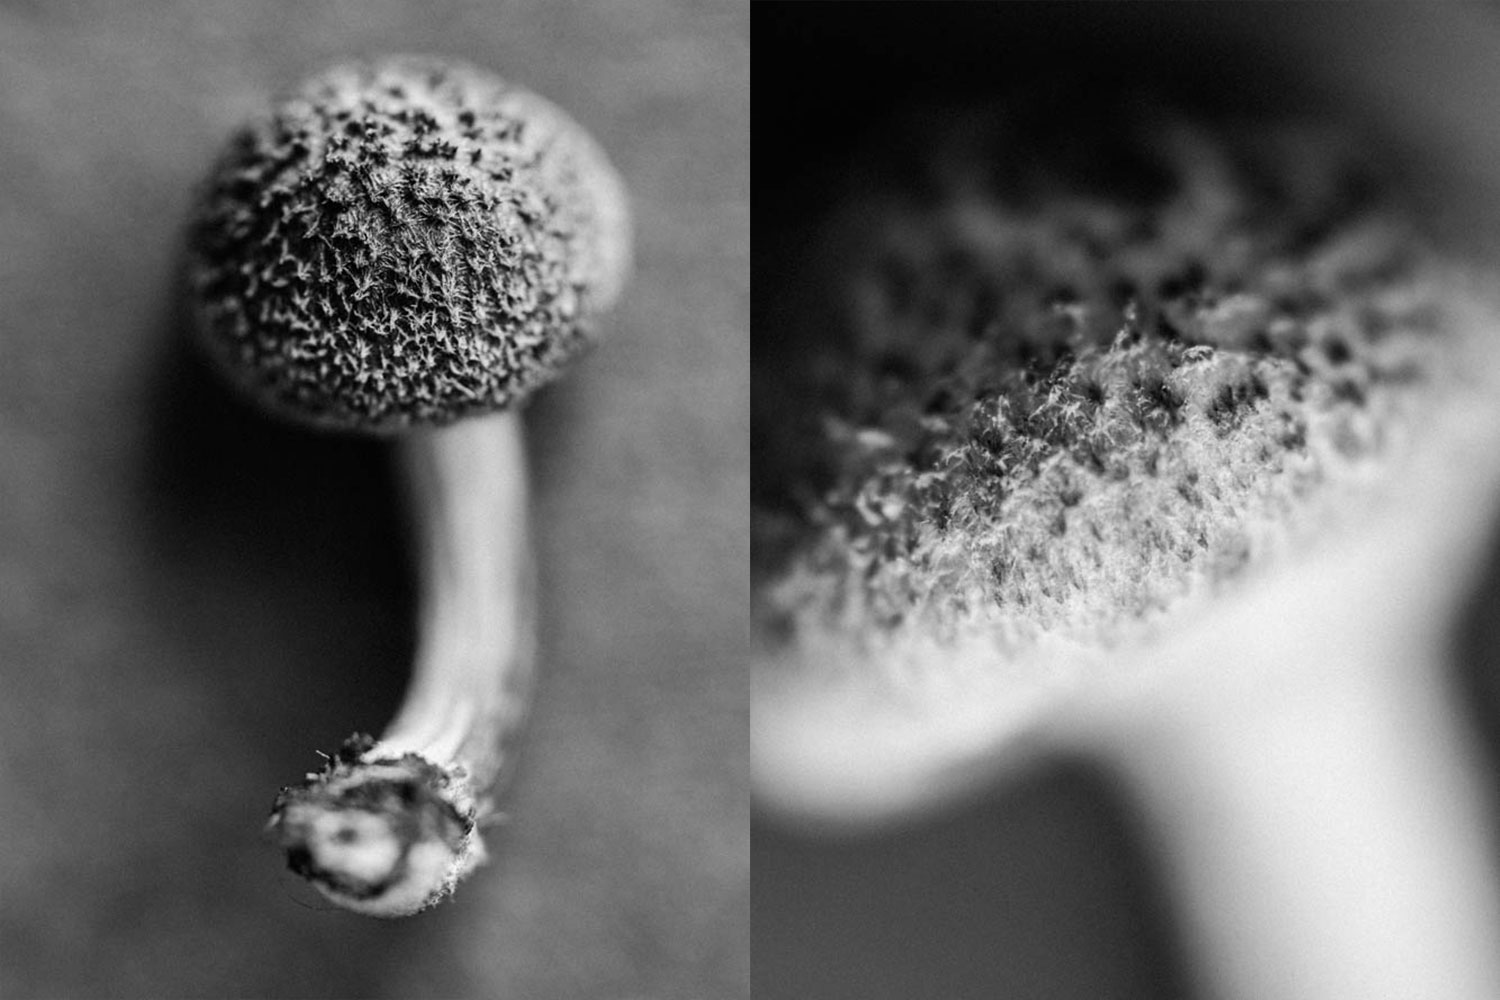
column 412, row 246
column 1142, row 481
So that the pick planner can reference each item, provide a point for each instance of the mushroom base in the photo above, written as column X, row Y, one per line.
column 381, row 835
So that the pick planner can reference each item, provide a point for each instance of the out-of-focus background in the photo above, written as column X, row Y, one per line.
column 194, row 599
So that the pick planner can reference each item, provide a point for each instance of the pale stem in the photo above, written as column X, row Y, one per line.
column 471, row 686
column 1307, row 784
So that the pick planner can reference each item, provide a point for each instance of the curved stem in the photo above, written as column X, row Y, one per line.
column 389, row 827
column 471, row 687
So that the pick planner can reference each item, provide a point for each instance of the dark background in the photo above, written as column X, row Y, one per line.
column 193, row 598
column 1038, row 887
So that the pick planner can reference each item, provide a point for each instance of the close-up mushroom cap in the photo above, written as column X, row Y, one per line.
column 405, row 242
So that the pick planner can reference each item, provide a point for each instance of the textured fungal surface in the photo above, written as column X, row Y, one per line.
column 1067, row 382
column 404, row 242
column 384, row 836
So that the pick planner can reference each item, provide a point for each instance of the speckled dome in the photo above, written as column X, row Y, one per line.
column 1044, row 402
column 405, row 242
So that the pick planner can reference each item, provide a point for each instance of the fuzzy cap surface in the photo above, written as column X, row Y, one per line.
column 1068, row 378
column 405, row 242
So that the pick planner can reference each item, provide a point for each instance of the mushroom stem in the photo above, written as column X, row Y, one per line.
column 472, row 683
column 1335, row 847
column 389, row 827
column 1315, row 800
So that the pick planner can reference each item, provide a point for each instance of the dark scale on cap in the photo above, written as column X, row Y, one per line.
column 1166, row 382
column 405, row 242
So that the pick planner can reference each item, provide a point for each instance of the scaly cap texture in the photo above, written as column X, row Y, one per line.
column 1061, row 387
column 405, row 242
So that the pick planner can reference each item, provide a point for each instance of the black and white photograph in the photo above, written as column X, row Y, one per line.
column 374, row 404
column 1125, row 471
column 496, row 504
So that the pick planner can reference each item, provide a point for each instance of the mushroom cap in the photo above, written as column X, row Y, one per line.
column 1047, row 407
column 405, row 242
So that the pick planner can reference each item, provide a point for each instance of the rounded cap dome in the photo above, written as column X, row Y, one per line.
column 405, row 242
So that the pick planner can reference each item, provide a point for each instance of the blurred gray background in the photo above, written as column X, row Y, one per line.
column 193, row 599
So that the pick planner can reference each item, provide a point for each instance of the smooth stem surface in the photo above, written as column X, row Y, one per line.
column 1333, row 846
column 471, row 685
